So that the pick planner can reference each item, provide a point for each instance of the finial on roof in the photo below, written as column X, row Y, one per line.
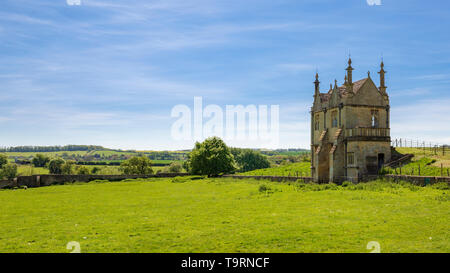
column 368, row 74
column 335, row 83
column 316, row 84
column 382, row 78
column 349, row 71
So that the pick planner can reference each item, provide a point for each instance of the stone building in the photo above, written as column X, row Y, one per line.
column 350, row 135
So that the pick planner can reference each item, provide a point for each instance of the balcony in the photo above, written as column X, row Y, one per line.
column 367, row 133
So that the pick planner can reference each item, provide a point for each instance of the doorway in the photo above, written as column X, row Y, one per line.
column 380, row 161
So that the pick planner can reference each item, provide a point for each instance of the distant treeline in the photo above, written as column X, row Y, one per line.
column 284, row 152
column 67, row 148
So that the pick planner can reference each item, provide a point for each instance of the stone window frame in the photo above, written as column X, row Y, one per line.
column 374, row 119
column 351, row 159
column 317, row 122
column 334, row 119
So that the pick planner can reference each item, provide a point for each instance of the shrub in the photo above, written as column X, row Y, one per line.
column 82, row 170
column 441, row 186
column 95, row 170
column 55, row 165
column 175, row 167
column 264, row 188
column 180, row 179
column 67, row 167
column 330, row 186
column 346, row 184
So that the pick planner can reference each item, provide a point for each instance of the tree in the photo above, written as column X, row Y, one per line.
column 212, row 158
column 40, row 160
column 175, row 167
column 55, row 165
column 249, row 160
column 3, row 160
column 67, row 167
column 140, row 165
column 9, row 171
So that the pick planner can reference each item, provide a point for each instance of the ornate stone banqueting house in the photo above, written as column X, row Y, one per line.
column 350, row 135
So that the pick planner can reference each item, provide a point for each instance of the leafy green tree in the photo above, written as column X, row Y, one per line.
column 40, row 160
column 212, row 158
column 68, row 167
column 186, row 166
column 3, row 160
column 137, row 165
column 55, row 165
column 175, row 167
column 249, row 160
column 9, row 171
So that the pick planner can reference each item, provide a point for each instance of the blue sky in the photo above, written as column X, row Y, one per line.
column 109, row 72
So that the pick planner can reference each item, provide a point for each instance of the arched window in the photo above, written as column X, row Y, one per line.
column 374, row 119
column 334, row 119
column 316, row 123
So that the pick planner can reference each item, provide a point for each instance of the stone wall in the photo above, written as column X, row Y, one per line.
column 55, row 179
column 272, row 178
column 47, row 180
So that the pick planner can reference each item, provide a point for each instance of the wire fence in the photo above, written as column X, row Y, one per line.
column 425, row 147
column 422, row 170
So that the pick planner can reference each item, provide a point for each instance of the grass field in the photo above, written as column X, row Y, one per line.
column 423, row 166
column 418, row 153
column 430, row 163
column 224, row 215
column 293, row 169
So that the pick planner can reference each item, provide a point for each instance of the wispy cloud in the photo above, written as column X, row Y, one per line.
column 20, row 18
column 419, row 91
column 432, row 77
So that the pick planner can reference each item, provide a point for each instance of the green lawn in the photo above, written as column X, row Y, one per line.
column 293, row 169
column 224, row 215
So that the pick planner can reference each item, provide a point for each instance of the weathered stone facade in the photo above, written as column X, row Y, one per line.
column 350, row 133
